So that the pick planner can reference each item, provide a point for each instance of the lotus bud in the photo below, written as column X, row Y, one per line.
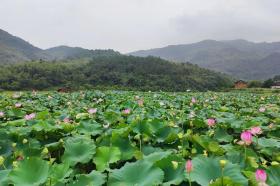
column 51, row 161
column 2, row 159
column 223, row 163
column 194, row 151
column 24, row 141
column 261, row 176
column 274, row 163
column 14, row 145
column 180, row 135
column 45, row 151
column 246, row 137
column 205, row 153
column 15, row 164
column 174, row 164
column 189, row 166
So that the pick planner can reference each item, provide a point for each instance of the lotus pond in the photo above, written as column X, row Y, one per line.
column 120, row 138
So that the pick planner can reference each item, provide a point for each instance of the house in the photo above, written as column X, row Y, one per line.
column 276, row 85
column 240, row 84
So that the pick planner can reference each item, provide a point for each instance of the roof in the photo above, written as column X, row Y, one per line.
column 240, row 81
column 276, row 83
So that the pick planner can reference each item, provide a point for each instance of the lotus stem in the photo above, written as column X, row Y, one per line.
column 245, row 154
column 222, row 176
column 183, row 139
column 4, row 166
column 140, row 143
column 190, row 182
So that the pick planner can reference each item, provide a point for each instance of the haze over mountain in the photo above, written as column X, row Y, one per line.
column 239, row 58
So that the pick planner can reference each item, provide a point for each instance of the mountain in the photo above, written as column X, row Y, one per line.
column 239, row 58
column 14, row 49
column 69, row 53
column 29, row 67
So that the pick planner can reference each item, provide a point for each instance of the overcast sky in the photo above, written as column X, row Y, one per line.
column 128, row 25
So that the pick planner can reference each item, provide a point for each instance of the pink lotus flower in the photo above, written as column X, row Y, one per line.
column 246, row 137
column 92, row 110
column 2, row 114
column 256, row 130
column 193, row 100
column 189, row 166
column 211, row 122
column 262, row 109
column 30, row 116
column 261, row 176
column 18, row 105
column 126, row 111
column 66, row 120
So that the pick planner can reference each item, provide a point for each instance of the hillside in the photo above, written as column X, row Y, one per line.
column 69, row 53
column 14, row 49
column 115, row 72
column 235, row 57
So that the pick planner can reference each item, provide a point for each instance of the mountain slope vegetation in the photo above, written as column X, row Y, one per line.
column 239, row 58
column 115, row 72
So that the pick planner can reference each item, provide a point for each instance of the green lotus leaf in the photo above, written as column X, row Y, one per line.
column 141, row 127
column 78, row 150
column 90, row 128
column 30, row 172
column 4, row 181
column 82, row 116
column 20, row 122
column 173, row 167
column 140, row 173
column 156, row 156
column 268, row 142
column 225, row 181
column 222, row 136
column 60, row 171
column 203, row 171
column 93, row 179
column 106, row 155
column 125, row 146
column 273, row 176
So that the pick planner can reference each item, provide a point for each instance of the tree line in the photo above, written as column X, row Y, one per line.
column 111, row 72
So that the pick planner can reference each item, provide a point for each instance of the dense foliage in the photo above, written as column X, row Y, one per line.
column 117, row 71
column 132, row 138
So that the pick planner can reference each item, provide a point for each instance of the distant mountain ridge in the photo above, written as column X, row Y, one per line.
column 66, row 52
column 14, row 49
column 239, row 58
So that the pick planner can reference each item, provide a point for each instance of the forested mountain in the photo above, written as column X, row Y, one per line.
column 14, row 49
column 239, row 58
column 114, row 72
column 26, row 67
column 65, row 52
